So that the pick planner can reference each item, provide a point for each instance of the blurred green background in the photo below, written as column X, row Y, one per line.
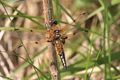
column 92, row 54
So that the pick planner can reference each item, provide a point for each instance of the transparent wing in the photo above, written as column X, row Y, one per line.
column 31, row 35
column 31, row 45
column 70, row 35
column 29, row 38
column 79, row 19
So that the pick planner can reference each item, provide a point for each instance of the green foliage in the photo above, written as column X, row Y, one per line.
column 91, row 48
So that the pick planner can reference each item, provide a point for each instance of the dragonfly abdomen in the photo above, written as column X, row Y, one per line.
column 62, row 57
column 60, row 52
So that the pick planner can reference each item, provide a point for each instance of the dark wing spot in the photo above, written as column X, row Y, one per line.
column 64, row 37
column 75, row 32
column 49, row 41
column 36, row 42
column 63, row 41
column 83, row 13
column 20, row 46
column 31, row 30
column 74, row 20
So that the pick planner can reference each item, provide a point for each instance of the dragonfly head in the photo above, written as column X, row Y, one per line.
column 53, row 22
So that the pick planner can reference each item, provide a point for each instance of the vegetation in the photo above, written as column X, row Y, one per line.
column 92, row 54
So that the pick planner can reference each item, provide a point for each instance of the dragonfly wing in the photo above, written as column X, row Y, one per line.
column 32, row 44
column 28, row 38
column 27, row 35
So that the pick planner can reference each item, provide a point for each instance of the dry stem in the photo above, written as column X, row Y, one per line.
column 47, row 6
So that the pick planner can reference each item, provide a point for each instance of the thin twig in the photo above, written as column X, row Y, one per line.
column 47, row 6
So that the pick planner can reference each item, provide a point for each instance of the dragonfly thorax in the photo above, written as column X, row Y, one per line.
column 57, row 34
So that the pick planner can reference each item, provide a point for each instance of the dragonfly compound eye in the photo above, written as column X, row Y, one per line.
column 53, row 23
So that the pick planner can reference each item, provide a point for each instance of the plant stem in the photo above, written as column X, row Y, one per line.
column 47, row 7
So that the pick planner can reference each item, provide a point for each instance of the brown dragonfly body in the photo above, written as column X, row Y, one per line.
column 60, row 52
column 57, row 40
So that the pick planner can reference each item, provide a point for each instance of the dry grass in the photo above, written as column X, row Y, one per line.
column 93, row 53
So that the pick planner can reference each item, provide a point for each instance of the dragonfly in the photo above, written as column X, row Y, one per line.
column 57, row 38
